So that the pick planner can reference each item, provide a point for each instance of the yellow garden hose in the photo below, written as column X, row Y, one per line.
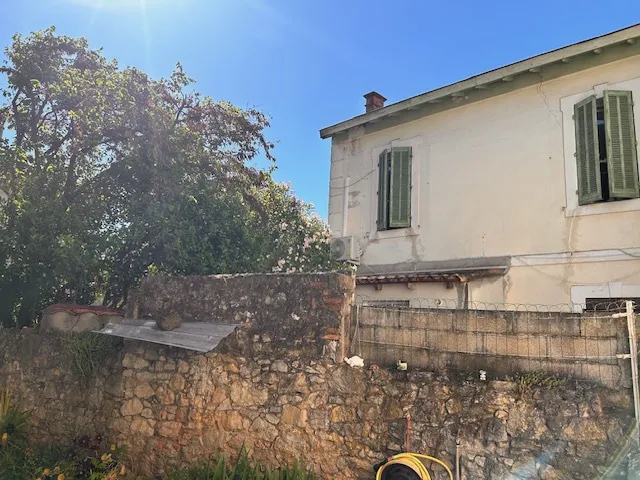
column 412, row 461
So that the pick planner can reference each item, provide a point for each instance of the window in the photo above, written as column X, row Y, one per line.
column 394, row 188
column 606, row 150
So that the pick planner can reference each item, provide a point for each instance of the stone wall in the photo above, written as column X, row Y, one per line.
column 297, row 311
column 287, row 399
column 580, row 346
column 170, row 407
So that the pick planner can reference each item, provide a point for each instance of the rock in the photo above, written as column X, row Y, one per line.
column 453, row 406
column 177, row 382
column 141, row 426
column 347, row 380
column 495, row 430
column 183, row 367
column 233, row 421
column 133, row 361
column 143, row 390
column 547, row 472
column 294, row 416
column 151, row 354
column 113, row 385
column 279, row 366
column 168, row 429
column 131, row 407
column 585, row 430
column 169, row 322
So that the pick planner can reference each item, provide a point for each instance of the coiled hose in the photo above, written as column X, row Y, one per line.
column 407, row 466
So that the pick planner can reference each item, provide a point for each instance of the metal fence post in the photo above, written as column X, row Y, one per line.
column 633, row 346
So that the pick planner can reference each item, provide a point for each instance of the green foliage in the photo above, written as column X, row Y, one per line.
column 526, row 381
column 112, row 175
column 242, row 469
column 14, row 461
column 13, row 420
column 89, row 351
column 73, row 462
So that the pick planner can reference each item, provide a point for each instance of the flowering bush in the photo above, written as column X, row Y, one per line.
column 298, row 239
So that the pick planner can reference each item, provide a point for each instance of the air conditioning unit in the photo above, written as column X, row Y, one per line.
column 345, row 249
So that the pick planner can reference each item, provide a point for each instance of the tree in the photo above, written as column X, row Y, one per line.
column 112, row 175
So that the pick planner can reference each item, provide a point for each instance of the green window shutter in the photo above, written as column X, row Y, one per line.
column 622, row 164
column 400, row 188
column 383, row 190
column 587, row 151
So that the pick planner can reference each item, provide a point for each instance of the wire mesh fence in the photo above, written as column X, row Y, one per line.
column 500, row 339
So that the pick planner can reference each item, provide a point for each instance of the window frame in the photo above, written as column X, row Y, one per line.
column 572, row 207
column 394, row 203
column 419, row 164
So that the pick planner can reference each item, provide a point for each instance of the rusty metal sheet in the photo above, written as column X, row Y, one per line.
column 201, row 337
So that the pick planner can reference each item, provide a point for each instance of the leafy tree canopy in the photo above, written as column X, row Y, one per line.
column 112, row 175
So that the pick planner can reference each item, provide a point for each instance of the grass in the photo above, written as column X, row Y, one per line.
column 526, row 381
column 89, row 351
column 242, row 469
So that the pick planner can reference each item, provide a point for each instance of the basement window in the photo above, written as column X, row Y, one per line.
column 606, row 149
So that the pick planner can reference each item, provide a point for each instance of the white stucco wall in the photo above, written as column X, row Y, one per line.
column 494, row 178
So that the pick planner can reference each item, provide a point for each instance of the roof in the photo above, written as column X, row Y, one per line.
column 80, row 309
column 558, row 62
column 454, row 276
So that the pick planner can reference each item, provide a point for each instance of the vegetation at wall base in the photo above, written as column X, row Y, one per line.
column 242, row 469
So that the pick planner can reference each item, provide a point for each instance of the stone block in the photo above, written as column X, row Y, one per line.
column 143, row 390
column 168, row 429
column 131, row 407
column 292, row 415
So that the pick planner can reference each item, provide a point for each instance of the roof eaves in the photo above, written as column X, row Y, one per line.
column 505, row 73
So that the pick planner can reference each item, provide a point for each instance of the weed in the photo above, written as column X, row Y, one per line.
column 526, row 381
column 88, row 351
column 243, row 469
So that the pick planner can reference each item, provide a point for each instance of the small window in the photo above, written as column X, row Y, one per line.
column 394, row 188
column 606, row 150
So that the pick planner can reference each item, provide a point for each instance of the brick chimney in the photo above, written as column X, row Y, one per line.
column 375, row 101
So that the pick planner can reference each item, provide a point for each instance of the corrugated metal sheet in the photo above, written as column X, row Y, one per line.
column 201, row 337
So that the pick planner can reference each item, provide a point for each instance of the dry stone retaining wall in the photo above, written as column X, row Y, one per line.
column 286, row 400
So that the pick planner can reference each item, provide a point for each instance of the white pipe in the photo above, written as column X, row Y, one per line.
column 345, row 206
column 457, row 458
column 631, row 325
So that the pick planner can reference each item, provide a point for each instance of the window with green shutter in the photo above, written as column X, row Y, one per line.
column 383, row 189
column 400, row 188
column 622, row 163
column 606, row 149
column 587, row 151
column 394, row 188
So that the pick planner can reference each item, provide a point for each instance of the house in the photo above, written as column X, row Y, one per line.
column 519, row 185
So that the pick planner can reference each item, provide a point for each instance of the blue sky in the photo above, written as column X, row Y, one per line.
column 308, row 63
